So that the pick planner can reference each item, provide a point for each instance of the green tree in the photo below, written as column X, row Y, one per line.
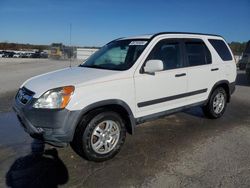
column 237, row 47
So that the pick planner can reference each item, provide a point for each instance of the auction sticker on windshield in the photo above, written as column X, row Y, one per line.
column 137, row 43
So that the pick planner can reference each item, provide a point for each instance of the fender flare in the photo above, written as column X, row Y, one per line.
column 231, row 88
column 99, row 104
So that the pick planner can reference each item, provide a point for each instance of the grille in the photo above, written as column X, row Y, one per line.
column 24, row 95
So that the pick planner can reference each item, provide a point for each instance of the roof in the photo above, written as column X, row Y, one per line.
column 151, row 36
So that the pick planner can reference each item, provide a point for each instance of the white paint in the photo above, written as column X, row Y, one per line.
column 131, row 86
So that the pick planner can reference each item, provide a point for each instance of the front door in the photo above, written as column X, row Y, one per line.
column 165, row 89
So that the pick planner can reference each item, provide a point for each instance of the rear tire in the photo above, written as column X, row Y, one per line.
column 217, row 103
column 99, row 136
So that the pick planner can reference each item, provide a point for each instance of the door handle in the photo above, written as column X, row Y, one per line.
column 180, row 75
column 215, row 69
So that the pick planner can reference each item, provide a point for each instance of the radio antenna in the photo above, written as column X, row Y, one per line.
column 70, row 47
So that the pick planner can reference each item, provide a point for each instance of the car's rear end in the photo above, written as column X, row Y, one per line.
column 224, row 60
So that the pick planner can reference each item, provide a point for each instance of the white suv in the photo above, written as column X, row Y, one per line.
column 127, row 82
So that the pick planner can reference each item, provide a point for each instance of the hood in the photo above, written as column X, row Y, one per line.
column 69, row 76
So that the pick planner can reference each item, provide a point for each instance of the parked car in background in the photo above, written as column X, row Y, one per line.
column 44, row 55
column 35, row 55
column 245, row 58
column 17, row 55
column 127, row 82
column 243, row 62
column 248, row 70
column 2, row 54
column 9, row 54
column 24, row 55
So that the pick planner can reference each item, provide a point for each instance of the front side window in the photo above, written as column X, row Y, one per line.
column 117, row 55
column 197, row 53
column 169, row 52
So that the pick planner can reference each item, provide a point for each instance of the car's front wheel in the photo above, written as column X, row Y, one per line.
column 217, row 103
column 99, row 136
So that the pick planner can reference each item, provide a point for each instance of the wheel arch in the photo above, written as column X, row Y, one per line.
column 223, row 83
column 115, row 105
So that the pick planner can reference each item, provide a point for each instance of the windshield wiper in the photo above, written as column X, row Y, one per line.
column 95, row 67
column 90, row 66
column 99, row 67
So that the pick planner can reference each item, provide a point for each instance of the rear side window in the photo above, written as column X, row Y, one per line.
column 197, row 53
column 221, row 48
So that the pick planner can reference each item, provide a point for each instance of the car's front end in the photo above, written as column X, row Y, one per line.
column 46, row 117
column 50, row 106
column 42, row 102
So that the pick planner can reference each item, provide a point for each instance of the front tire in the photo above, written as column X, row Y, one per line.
column 217, row 103
column 99, row 136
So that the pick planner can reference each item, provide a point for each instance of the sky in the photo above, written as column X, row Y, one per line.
column 97, row 22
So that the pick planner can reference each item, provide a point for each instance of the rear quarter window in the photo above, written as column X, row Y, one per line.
column 221, row 48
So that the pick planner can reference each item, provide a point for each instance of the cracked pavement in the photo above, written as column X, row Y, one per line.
column 182, row 150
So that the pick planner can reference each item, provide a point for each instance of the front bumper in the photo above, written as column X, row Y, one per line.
column 55, row 127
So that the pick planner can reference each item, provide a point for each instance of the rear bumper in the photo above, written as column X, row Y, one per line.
column 55, row 127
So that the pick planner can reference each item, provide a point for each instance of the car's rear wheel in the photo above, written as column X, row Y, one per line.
column 217, row 103
column 99, row 136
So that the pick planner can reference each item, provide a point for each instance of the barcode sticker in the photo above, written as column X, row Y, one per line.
column 138, row 43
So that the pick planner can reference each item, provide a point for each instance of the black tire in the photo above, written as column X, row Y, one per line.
column 81, row 143
column 209, row 110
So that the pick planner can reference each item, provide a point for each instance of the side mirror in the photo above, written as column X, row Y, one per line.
column 153, row 66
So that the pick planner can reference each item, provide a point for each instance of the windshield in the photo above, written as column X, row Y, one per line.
column 116, row 55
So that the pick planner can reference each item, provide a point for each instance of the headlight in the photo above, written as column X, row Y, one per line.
column 55, row 98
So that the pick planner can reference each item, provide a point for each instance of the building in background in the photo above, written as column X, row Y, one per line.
column 84, row 53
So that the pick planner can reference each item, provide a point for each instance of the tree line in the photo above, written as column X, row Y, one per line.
column 18, row 46
column 237, row 47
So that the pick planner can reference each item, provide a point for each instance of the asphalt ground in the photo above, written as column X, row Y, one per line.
column 182, row 150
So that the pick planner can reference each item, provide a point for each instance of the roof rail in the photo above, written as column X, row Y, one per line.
column 162, row 33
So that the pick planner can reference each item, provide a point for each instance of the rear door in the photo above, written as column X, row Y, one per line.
column 201, row 73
